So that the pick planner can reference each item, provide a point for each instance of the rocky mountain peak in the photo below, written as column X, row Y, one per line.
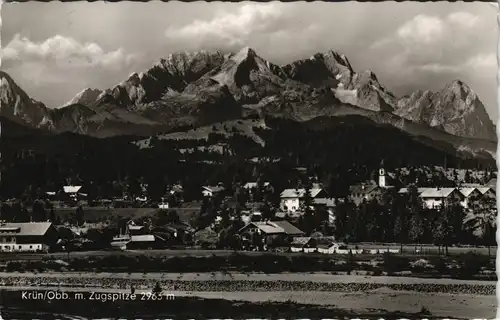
column 17, row 106
column 87, row 97
column 455, row 109
column 172, row 73
column 334, row 56
column 243, row 54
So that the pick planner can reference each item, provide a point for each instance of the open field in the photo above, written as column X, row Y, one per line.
column 407, row 251
column 183, row 307
column 358, row 295
column 94, row 214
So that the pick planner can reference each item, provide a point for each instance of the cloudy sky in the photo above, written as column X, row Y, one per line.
column 54, row 50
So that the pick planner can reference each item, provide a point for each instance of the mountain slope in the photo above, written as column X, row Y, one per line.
column 18, row 107
column 170, row 74
column 86, row 97
column 334, row 70
column 190, row 90
column 455, row 109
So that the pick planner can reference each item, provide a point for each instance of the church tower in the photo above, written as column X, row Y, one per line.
column 381, row 178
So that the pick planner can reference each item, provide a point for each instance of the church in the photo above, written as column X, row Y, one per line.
column 371, row 189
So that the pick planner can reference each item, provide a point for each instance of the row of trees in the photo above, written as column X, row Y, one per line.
column 397, row 218
column 18, row 211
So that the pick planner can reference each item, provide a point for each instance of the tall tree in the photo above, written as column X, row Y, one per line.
column 307, row 206
column 38, row 210
column 481, row 219
column 79, row 215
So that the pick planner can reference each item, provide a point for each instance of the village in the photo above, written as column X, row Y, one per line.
column 305, row 219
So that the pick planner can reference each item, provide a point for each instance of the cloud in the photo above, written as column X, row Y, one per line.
column 231, row 29
column 422, row 29
column 63, row 52
column 482, row 62
column 463, row 19
column 436, row 43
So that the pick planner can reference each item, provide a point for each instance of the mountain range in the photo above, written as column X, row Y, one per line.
column 200, row 89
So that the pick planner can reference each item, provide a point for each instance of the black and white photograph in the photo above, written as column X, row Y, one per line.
column 248, row 160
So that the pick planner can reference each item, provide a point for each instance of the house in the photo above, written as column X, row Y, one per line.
column 269, row 233
column 176, row 189
column 133, row 229
column 327, row 204
column 27, row 236
column 436, row 197
column 298, row 244
column 369, row 191
column 291, row 199
column 469, row 193
column 210, row 191
column 406, row 190
column 145, row 241
column 487, row 192
column 255, row 185
column 329, row 247
column 74, row 191
column 362, row 192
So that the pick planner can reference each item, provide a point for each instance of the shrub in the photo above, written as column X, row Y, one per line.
column 393, row 263
column 424, row 311
column 471, row 264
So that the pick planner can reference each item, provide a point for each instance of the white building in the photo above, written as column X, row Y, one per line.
column 254, row 185
column 210, row 191
column 291, row 199
column 27, row 236
column 435, row 197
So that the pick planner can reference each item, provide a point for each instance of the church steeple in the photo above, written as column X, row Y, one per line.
column 381, row 176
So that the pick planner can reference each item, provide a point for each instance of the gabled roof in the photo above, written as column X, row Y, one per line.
column 213, row 188
column 135, row 227
column 405, row 190
column 484, row 190
column 24, row 228
column 329, row 202
column 300, row 241
column 71, row 189
column 467, row 191
column 363, row 189
column 492, row 183
column 288, row 227
column 275, row 227
column 299, row 193
column 437, row 192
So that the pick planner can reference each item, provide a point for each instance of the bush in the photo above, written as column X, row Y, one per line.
column 440, row 266
column 471, row 264
column 393, row 263
column 424, row 311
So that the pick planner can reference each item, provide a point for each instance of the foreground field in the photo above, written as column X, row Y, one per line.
column 184, row 307
column 357, row 294
column 407, row 251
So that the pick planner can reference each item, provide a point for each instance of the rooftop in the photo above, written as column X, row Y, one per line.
column 276, row 227
column 299, row 193
column 24, row 228
column 71, row 189
column 436, row 192
column 143, row 238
